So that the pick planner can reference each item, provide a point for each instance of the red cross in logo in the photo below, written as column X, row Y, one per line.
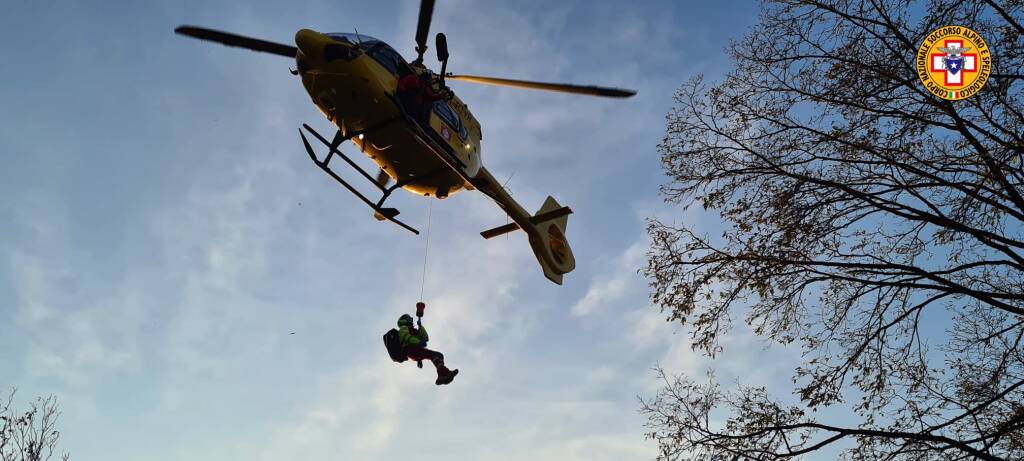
column 951, row 79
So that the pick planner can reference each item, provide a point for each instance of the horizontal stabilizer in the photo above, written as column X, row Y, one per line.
column 500, row 230
column 536, row 219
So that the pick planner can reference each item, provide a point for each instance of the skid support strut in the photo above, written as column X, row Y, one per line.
column 332, row 146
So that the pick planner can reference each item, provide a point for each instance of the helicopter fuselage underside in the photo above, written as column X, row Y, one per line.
column 359, row 95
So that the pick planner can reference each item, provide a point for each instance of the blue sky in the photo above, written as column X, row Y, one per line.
column 163, row 232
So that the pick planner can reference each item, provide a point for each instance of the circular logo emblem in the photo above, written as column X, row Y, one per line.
column 953, row 62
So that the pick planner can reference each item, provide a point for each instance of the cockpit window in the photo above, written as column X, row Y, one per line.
column 386, row 56
column 353, row 38
column 378, row 50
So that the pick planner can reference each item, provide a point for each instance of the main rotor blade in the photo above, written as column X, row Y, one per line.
column 423, row 26
column 230, row 39
column 559, row 87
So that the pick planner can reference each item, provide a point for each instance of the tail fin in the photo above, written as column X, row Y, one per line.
column 549, row 243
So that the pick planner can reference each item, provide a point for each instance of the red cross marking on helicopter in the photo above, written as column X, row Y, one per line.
column 954, row 79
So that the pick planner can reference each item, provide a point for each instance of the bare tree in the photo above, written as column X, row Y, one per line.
column 32, row 435
column 877, row 227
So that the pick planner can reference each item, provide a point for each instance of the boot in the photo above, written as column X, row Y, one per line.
column 445, row 376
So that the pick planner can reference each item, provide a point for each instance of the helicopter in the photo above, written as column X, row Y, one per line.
column 354, row 80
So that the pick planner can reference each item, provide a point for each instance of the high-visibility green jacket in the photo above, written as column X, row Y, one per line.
column 408, row 336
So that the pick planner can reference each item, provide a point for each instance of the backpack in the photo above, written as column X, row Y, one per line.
column 394, row 346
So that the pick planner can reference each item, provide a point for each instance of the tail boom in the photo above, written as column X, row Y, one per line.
column 544, row 229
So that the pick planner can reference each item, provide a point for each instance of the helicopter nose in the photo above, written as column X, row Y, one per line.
column 320, row 49
column 311, row 43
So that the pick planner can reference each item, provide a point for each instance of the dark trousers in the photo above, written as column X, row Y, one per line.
column 421, row 353
column 418, row 110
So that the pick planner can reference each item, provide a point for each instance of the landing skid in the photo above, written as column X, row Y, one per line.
column 378, row 207
column 450, row 160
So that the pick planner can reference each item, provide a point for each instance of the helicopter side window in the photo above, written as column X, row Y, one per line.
column 446, row 113
column 387, row 57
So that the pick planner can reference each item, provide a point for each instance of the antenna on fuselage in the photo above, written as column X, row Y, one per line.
column 358, row 37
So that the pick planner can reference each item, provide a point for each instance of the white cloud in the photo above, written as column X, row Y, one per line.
column 615, row 283
column 647, row 327
column 359, row 415
column 64, row 336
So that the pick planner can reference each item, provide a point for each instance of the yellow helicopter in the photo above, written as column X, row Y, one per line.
column 422, row 136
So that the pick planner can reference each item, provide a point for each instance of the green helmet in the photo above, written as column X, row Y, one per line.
column 405, row 319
